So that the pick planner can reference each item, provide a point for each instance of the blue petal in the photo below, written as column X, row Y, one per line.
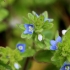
column 53, row 47
column 37, row 15
column 30, row 32
column 53, row 43
column 31, row 25
column 65, row 64
column 59, row 39
column 62, row 68
column 26, row 25
column 27, row 28
column 26, row 32
column 23, row 45
column 47, row 19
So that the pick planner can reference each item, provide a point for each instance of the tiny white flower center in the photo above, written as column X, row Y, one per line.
column 30, row 28
column 64, row 31
column 40, row 37
column 20, row 47
column 16, row 65
column 67, row 68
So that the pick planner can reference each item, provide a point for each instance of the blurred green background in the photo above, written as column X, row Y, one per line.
column 12, row 13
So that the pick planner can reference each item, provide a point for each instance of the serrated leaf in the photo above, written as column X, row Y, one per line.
column 44, row 56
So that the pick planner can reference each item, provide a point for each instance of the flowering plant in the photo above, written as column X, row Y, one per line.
column 39, row 31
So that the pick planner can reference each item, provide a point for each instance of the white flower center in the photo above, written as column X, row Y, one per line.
column 40, row 37
column 64, row 31
column 30, row 28
column 20, row 47
column 16, row 65
column 67, row 68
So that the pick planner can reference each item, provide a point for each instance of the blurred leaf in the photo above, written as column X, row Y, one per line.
column 4, row 3
column 3, row 26
column 6, row 66
column 25, row 20
column 47, row 43
column 44, row 56
column 28, row 53
column 28, row 36
column 21, row 26
column 45, row 14
column 30, row 16
column 3, row 14
column 48, row 34
column 44, row 2
column 47, row 25
column 56, row 35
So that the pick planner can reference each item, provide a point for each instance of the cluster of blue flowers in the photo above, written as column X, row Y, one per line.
column 66, row 66
column 29, row 29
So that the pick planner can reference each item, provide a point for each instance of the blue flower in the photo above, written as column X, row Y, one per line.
column 29, row 28
column 21, row 47
column 47, row 19
column 54, row 43
column 66, row 66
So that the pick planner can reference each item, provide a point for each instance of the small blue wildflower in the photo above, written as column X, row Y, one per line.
column 47, row 19
column 29, row 28
column 54, row 43
column 21, row 47
column 66, row 66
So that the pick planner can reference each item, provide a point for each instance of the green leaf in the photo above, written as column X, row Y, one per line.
column 47, row 25
column 21, row 26
column 44, row 56
column 56, row 35
column 47, row 43
column 45, row 14
column 6, row 66
column 28, row 36
column 30, row 16
column 48, row 33
column 28, row 53
column 3, row 14
column 3, row 26
column 25, row 20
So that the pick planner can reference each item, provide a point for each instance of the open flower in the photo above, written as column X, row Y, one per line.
column 54, row 43
column 66, row 66
column 29, row 28
column 47, row 19
column 21, row 47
